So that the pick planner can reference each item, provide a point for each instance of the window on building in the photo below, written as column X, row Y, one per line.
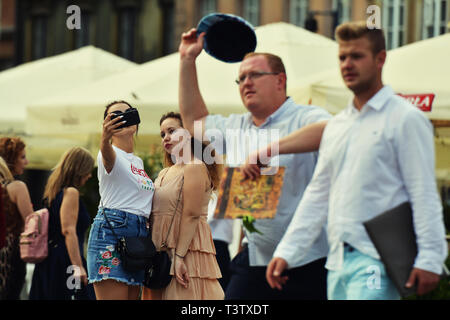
column 435, row 17
column 298, row 12
column 127, row 32
column 81, row 36
column 38, row 37
column 168, row 11
column 251, row 11
column 394, row 22
column 343, row 10
column 206, row 7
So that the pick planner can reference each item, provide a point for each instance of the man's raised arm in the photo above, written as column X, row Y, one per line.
column 192, row 106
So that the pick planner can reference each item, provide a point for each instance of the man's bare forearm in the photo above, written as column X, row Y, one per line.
column 306, row 139
column 192, row 106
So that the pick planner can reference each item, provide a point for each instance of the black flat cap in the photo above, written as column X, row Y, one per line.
column 228, row 37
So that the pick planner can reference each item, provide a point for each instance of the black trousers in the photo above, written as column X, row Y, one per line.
column 223, row 259
column 308, row 282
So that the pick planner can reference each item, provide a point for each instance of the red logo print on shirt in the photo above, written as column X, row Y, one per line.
column 140, row 172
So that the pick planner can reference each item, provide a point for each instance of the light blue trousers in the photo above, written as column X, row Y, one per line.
column 361, row 278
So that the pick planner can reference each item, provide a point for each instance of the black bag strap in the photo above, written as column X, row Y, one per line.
column 107, row 220
column 164, row 244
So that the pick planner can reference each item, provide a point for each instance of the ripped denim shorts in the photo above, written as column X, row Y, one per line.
column 103, row 261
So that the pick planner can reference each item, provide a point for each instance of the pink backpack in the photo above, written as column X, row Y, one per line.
column 34, row 239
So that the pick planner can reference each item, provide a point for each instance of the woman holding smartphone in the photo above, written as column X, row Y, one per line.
column 126, row 194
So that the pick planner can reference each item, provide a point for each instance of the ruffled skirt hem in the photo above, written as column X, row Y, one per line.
column 198, row 289
column 200, row 259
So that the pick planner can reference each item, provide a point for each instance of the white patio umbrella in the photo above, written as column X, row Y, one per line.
column 33, row 81
column 153, row 86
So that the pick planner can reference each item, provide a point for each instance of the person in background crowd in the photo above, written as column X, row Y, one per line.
column 68, row 223
column 222, row 233
column 16, row 206
column 2, row 222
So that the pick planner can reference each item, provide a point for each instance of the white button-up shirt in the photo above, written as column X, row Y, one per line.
column 221, row 229
column 241, row 137
column 370, row 161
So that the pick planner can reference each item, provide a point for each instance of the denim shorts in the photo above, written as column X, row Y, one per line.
column 103, row 261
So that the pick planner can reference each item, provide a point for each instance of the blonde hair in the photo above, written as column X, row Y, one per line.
column 5, row 173
column 75, row 164
column 357, row 29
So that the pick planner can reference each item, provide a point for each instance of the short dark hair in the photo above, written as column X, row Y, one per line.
column 275, row 62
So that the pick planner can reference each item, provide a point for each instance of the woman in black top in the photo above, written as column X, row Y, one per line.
column 62, row 275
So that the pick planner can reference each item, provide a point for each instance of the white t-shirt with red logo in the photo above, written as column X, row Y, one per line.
column 127, row 187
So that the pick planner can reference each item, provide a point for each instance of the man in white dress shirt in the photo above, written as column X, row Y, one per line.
column 373, row 156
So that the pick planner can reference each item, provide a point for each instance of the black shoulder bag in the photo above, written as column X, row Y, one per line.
column 158, row 275
column 136, row 252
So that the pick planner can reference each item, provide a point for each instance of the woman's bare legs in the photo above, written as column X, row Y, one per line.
column 114, row 290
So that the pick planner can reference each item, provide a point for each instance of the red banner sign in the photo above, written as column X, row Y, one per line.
column 422, row 101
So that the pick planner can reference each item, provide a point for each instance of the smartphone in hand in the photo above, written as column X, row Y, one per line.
column 131, row 116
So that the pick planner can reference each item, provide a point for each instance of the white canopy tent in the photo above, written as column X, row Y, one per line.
column 419, row 68
column 153, row 87
column 30, row 82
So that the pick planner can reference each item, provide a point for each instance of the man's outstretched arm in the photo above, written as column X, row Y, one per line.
column 306, row 139
column 192, row 106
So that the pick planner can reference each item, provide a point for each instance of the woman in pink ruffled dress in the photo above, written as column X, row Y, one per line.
column 188, row 182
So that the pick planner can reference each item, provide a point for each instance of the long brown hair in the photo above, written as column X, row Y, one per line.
column 214, row 168
column 10, row 149
column 75, row 164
